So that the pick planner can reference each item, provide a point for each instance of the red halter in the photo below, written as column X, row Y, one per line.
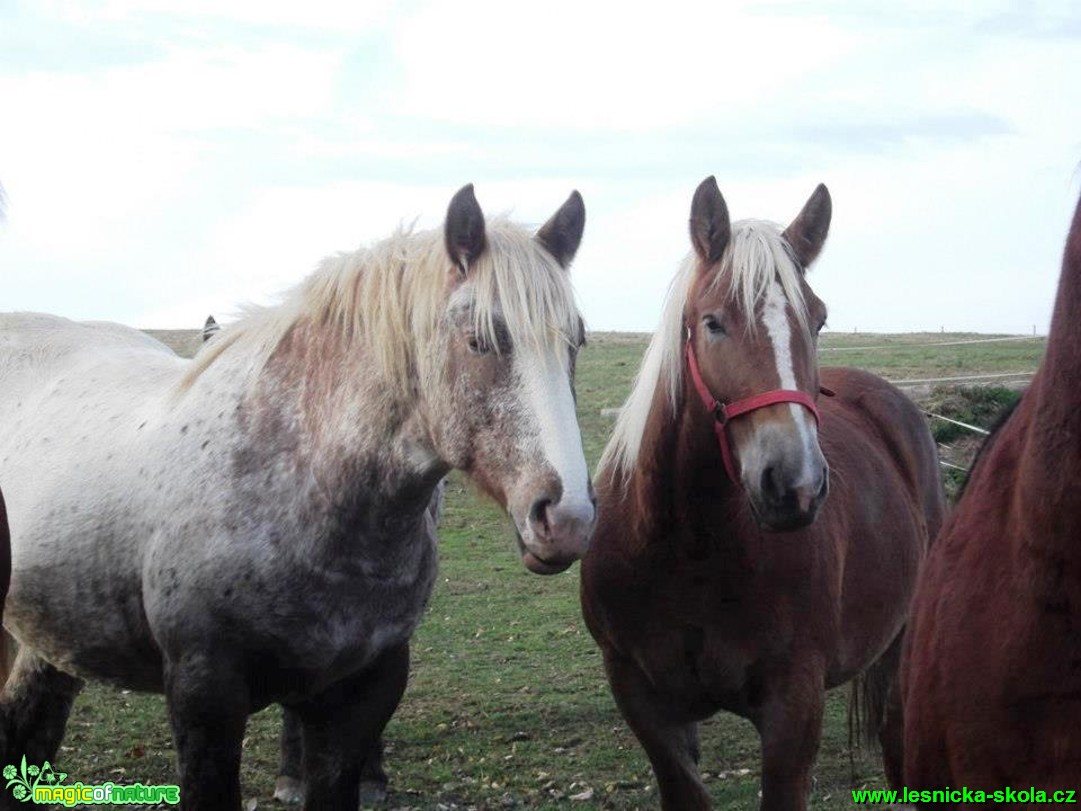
column 723, row 412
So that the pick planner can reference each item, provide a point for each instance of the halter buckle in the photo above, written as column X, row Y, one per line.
column 720, row 413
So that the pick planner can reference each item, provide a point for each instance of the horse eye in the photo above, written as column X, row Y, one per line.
column 477, row 346
column 713, row 325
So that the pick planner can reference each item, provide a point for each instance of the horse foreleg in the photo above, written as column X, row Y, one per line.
column 670, row 744
column 342, row 729
column 208, row 708
column 34, row 710
column 789, row 724
column 373, row 777
column 289, row 787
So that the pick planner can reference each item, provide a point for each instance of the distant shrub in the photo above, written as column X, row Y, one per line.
column 979, row 406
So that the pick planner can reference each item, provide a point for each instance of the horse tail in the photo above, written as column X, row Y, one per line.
column 874, row 712
column 867, row 705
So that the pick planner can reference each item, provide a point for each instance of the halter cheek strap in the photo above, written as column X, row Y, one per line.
column 724, row 412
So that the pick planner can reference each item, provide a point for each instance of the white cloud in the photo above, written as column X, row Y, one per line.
column 582, row 66
column 91, row 161
column 187, row 91
column 208, row 175
column 325, row 14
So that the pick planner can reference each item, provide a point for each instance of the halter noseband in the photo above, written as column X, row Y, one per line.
column 724, row 412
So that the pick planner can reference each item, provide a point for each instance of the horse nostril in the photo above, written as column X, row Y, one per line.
column 538, row 516
column 770, row 484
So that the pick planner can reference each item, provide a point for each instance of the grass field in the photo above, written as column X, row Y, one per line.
column 507, row 705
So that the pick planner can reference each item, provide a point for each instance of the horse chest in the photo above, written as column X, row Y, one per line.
column 696, row 667
column 313, row 621
column 706, row 628
column 345, row 627
column 704, row 642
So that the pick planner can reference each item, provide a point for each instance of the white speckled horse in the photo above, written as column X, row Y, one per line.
column 252, row 526
column 289, row 786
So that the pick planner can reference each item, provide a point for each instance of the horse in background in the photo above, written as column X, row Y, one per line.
column 992, row 673
column 210, row 328
column 252, row 527
column 756, row 544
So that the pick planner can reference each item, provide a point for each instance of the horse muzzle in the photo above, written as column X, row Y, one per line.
column 781, row 504
column 557, row 533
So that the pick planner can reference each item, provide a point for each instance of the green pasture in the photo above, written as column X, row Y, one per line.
column 507, row 705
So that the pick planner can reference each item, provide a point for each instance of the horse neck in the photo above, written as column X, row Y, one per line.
column 1050, row 466
column 348, row 431
column 679, row 492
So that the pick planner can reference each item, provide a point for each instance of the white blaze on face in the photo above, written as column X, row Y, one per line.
column 546, row 391
column 775, row 320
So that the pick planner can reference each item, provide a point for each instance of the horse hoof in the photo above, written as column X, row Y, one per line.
column 289, row 790
column 372, row 792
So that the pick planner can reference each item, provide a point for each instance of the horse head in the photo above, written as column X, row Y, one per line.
column 751, row 323
column 500, row 390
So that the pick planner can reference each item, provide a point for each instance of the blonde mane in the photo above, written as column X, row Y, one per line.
column 756, row 255
column 390, row 297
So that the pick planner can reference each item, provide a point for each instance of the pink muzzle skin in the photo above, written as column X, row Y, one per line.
column 724, row 412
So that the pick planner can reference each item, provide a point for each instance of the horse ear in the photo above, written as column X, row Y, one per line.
column 562, row 234
column 464, row 229
column 710, row 226
column 807, row 233
column 210, row 328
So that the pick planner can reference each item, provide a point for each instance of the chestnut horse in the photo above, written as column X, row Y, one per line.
column 721, row 577
column 253, row 526
column 992, row 674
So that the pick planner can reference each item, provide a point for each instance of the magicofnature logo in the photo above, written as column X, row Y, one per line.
column 23, row 780
column 44, row 785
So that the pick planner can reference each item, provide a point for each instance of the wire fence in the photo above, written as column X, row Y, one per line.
column 973, row 428
column 921, row 344
column 963, row 378
column 1015, row 377
column 952, row 466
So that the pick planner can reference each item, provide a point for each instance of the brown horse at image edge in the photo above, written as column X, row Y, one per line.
column 992, row 673
column 721, row 575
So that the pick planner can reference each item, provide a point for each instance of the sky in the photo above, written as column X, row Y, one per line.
column 167, row 159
